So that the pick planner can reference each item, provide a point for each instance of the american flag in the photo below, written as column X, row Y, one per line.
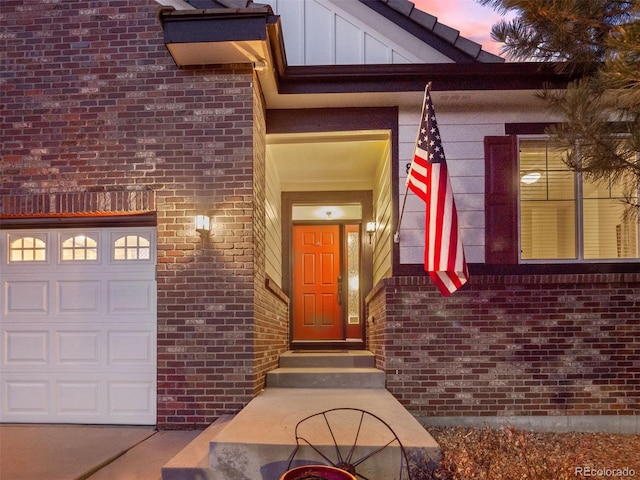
column 428, row 178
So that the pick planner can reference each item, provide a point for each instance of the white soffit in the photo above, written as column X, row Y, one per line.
column 209, row 53
column 177, row 4
column 464, row 100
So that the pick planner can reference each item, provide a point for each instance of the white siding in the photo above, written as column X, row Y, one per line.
column 348, row 34
column 333, row 32
column 463, row 141
column 382, row 208
column 273, row 210
column 319, row 42
column 463, row 136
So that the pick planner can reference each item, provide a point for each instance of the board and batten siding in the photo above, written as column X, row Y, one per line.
column 273, row 208
column 350, row 33
column 382, row 252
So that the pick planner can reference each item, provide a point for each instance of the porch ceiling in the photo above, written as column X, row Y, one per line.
column 315, row 162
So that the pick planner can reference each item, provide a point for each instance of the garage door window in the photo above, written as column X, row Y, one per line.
column 131, row 247
column 27, row 249
column 79, row 247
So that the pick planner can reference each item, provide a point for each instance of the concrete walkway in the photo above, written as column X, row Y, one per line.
column 258, row 442
column 77, row 452
column 254, row 444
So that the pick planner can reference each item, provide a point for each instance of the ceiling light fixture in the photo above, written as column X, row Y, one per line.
column 530, row 178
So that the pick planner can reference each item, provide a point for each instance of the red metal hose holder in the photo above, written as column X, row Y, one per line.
column 316, row 472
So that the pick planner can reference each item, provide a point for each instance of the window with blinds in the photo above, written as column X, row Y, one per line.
column 564, row 216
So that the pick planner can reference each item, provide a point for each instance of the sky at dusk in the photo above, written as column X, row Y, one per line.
column 473, row 20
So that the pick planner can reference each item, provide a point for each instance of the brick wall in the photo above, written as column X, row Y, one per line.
column 92, row 102
column 376, row 306
column 271, row 316
column 510, row 346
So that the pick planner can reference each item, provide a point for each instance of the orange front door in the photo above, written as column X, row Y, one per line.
column 317, row 295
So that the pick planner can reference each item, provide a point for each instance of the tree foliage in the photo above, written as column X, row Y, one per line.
column 600, row 41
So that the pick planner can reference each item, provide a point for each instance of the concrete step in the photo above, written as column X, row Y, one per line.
column 335, row 359
column 326, row 369
column 260, row 440
column 192, row 462
column 326, row 377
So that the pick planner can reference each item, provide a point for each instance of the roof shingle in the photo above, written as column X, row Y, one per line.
column 430, row 23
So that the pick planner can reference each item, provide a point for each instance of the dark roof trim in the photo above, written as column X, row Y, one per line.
column 413, row 77
column 526, row 128
column 331, row 119
column 148, row 219
column 530, row 269
column 215, row 25
column 542, row 128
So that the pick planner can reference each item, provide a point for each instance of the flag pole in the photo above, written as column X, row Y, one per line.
column 396, row 236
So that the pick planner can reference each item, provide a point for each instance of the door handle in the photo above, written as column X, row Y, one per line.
column 339, row 289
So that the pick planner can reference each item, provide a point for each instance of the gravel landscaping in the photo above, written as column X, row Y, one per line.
column 511, row 454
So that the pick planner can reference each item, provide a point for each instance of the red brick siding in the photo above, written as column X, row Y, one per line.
column 512, row 345
column 377, row 324
column 271, row 336
column 91, row 102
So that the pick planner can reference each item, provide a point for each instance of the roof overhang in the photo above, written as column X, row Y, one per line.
column 253, row 36
column 217, row 36
column 515, row 85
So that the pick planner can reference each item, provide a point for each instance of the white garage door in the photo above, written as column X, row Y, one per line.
column 78, row 325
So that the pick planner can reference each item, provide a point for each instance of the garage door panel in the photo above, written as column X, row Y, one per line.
column 78, row 297
column 107, row 347
column 130, row 398
column 25, row 348
column 129, row 348
column 112, row 398
column 25, row 397
column 80, row 397
column 136, row 296
column 27, row 297
column 74, row 348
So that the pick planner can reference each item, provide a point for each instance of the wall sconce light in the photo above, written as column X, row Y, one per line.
column 260, row 66
column 203, row 225
column 371, row 229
